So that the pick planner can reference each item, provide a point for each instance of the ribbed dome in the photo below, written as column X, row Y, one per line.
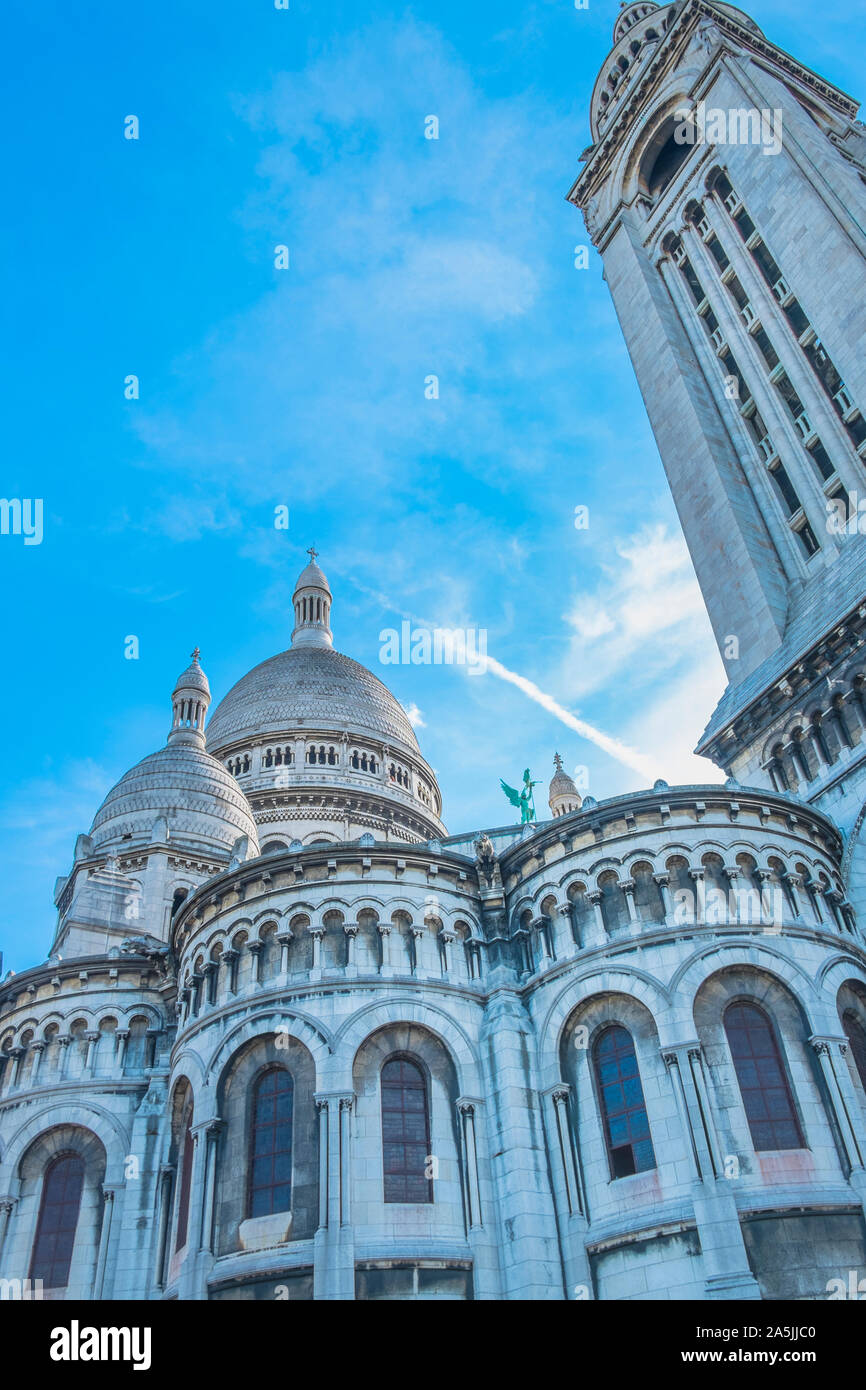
column 314, row 687
column 200, row 800
column 313, row 578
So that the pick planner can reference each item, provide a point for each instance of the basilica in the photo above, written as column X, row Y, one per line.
column 294, row 1040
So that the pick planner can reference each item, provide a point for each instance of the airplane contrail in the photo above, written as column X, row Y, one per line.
column 630, row 757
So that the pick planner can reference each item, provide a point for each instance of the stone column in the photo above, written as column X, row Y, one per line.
column 285, row 938
column 769, row 902
column 17, row 1054
column 733, row 877
column 664, row 886
column 316, row 933
column 92, row 1039
column 255, row 950
column 334, row 1245
column 209, row 970
column 698, row 1170
column 121, row 1041
column 813, row 887
column 598, row 932
column 322, row 1113
column 230, row 959
column 37, row 1048
column 166, row 1189
column 567, row 1191
column 726, row 1265
column 351, row 930
column 213, row 1129
column 104, row 1238
column 566, row 912
column 417, row 938
column 63, row 1041
column 794, row 883
column 466, row 1115
column 824, row 1049
column 7, row 1206
column 384, row 930
column 628, row 886
column 447, row 937
column 697, row 877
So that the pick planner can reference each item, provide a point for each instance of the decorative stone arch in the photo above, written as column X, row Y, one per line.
column 367, row 903
column 609, row 863
column 836, row 971
column 70, row 1137
column 598, row 979
column 187, row 1062
column 318, row 1040
column 693, row 973
column 83, row 1114
column 139, row 1010
column 649, row 139
column 524, row 904
column 387, row 1012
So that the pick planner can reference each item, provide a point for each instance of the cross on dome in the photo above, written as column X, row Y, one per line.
column 313, row 553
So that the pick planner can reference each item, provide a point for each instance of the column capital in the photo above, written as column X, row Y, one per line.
column 825, row 1042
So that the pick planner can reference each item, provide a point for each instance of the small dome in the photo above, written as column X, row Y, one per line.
column 180, row 792
column 313, row 578
column 200, row 801
column 562, row 796
column 193, row 678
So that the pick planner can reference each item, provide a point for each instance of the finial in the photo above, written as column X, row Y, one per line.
column 557, row 762
column 196, row 653
column 312, row 552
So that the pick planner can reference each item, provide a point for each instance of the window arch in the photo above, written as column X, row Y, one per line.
column 405, row 1132
column 58, row 1219
column 856, row 1035
column 761, row 1076
column 270, row 1185
column 626, row 1127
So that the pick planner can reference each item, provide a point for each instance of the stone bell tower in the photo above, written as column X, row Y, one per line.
column 725, row 191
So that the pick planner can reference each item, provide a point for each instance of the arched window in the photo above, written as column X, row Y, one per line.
column 767, row 1098
column 405, row 1132
column 58, row 1218
column 271, row 1143
column 626, row 1127
column 856, row 1035
column 185, row 1182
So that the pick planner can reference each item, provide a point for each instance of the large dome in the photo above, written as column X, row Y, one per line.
column 311, row 687
column 200, row 801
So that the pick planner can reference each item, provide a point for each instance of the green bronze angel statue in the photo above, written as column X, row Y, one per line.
column 522, row 799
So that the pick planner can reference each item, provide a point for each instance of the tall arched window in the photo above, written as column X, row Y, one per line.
column 626, row 1127
column 271, row 1143
column 405, row 1132
column 58, row 1218
column 856, row 1035
column 762, row 1079
column 185, row 1181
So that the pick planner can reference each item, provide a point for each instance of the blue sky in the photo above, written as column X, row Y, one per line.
column 305, row 387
